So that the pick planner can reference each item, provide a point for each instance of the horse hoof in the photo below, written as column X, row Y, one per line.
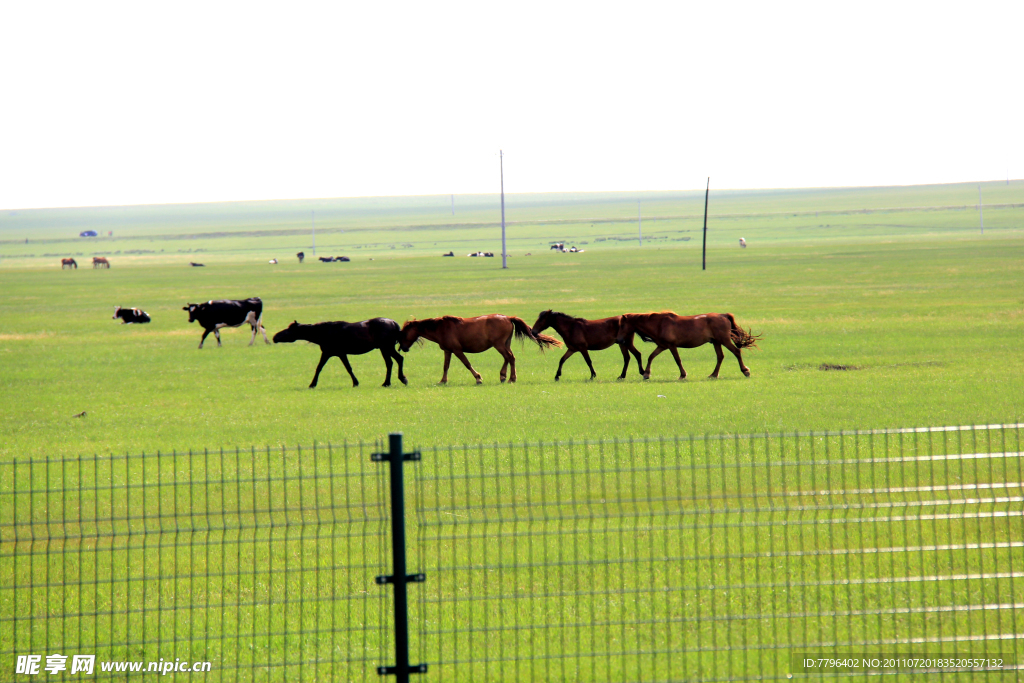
column 479, row 382
column 746, row 373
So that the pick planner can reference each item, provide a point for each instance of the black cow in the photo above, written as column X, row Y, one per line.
column 197, row 265
column 301, row 256
column 326, row 259
column 343, row 339
column 130, row 315
column 214, row 315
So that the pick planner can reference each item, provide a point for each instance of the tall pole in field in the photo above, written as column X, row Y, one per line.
column 453, row 205
column 504, row 255
column 704, row 256
column 981, row 212
column 639, row 223
column 313, row 215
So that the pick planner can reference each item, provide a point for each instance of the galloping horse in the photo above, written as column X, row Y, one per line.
column 671, row 331
column 68, row 263
column 100, row 262
column 343, row 339
column 473, row 335
column 587, row 335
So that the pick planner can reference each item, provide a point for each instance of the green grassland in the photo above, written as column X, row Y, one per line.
column 926, row 311
column 264, row 559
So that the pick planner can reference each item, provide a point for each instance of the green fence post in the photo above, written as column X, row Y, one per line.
column 399, row 578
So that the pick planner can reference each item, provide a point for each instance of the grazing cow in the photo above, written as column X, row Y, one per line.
column 558, row 246
column 100, row 262
column 214, row 315
column 130, row 315
column 197, row 265
column 301, row 256
column 68, row 263
column 343, row 339
column 743, row 243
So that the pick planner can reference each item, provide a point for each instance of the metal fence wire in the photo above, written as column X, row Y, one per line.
column 259, row 562
column 723, row 558
column 716, row 558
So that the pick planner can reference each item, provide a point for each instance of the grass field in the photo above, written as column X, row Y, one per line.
column 927, row 314
column 896, row 285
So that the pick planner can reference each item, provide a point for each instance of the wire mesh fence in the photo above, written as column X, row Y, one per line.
column 254, row 564
column 723, row 558
column 702, row 558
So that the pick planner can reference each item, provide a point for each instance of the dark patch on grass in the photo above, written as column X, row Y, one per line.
column 836, row 366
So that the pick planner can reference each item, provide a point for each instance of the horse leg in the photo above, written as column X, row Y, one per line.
column 721, row 356
column 586, row 357
column 344, row 359
column 510, row 359
column 562, row 362
column 647, row 371
column 387, row 364
column 447, row 362
column 398, row 357
column 675, row 354
column 465, row 361
column 625, row 362
column 736, row 352
column 324, row 357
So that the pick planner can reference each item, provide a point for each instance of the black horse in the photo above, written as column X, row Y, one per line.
column 342, row 339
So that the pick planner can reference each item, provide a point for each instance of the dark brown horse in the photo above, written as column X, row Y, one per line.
column 473, row 335
column 583, row 336
column 68, row 263
column 671, row 331
column 342, row 339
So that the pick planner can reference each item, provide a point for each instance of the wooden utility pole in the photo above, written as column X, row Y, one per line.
column 504, row 255
column 704, row 256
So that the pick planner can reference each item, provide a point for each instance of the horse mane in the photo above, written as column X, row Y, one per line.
column 566, row 315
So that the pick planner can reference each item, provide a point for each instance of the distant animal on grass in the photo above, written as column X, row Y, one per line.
column 301, row 256
column 341, row 259
column 272, row 261
column 450, row 253
column 214, row 315
column 130, row 315
column 574, row 250
column 344, row 339
column 581, row 335
column 671, row 331
column 460, row 336
column 489, row 254
column 476, row 253
column 68, row 263
column 743, row 243
column 326, row 259
column 100, row 262
column 558, row 246
column 197, row 265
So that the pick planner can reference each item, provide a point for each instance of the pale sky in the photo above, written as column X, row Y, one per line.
column 140, row 103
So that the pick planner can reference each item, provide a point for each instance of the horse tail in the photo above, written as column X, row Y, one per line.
column 522, row 332
column 740, row 337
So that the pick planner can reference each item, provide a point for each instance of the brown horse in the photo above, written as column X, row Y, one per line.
column 68, row 263
column 671, row 331
column 100, row 262
column 582, row 336
column 473, row 335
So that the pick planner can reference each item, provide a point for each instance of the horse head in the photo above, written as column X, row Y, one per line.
column 543, row 322
column 409, row 335
column 288, row 334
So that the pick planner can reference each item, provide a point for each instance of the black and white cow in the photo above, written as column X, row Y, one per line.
column 130, row 315
column 214, row 315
